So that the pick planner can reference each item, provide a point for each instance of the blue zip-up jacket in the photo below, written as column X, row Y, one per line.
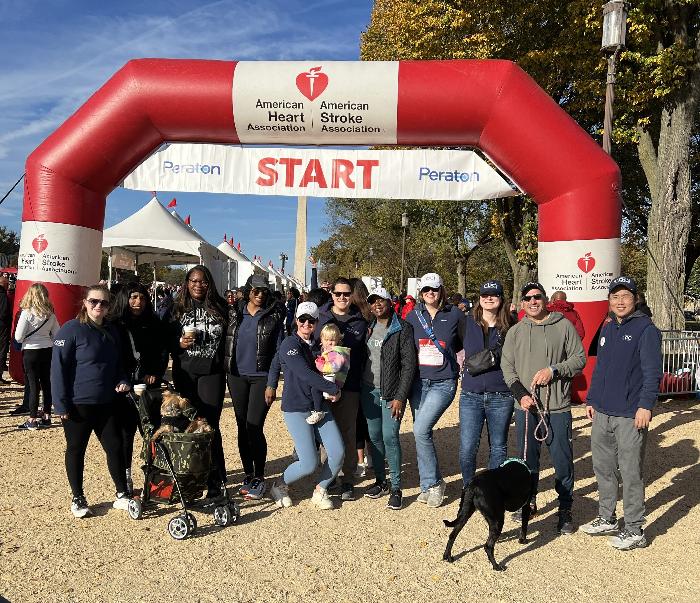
column 354, row 331
column 628, row 370
column 86, row 365
column 492, row 380
column 448, row 326
column 302, row 382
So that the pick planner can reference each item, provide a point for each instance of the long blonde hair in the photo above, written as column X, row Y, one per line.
column 36, row 300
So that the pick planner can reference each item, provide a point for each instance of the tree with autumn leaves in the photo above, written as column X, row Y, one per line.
column 557, row 42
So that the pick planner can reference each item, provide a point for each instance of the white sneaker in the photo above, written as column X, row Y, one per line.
column 361, row 470
column 79, row 507
column 280, row 494
column 423, row 496
column 121, row 502
column 315, row 417
column 600, row 525
column 321, row 499
column 436, row 495
column 626, row 540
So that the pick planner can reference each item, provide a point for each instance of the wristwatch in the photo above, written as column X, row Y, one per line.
column 555, row 372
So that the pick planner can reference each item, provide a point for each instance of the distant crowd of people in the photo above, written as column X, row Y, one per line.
column 353, row 361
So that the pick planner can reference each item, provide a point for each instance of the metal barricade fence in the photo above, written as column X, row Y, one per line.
column 681, row 359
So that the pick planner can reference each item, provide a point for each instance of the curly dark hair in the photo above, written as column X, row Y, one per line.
column 247, row 288
column 120, row 309
column 214, row 304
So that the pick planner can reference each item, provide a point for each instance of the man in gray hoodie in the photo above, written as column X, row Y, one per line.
column 544, row 351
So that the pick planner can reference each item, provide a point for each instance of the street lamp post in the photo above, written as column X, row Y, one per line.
column 404, row 224
column 614, row 31
column 283, row 258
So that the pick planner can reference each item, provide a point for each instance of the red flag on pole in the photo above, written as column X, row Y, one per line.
column 239, row 247
column 173, row 202
column 225, row 239
column 187, row 220
column 231, row 242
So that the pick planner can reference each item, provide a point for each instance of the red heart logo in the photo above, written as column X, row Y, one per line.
column 40, row 243
column 312, row 83
column 586, row 263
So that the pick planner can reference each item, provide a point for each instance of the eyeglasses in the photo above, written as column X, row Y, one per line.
column 306, row 319
column 433, row 289
column 536, row 296
column 485, row 295
column 197, row 282
column 345, row 294
column 98, row 303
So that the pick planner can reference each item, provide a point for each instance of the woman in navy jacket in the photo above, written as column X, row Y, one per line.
column 86, row 371
column 302, row 384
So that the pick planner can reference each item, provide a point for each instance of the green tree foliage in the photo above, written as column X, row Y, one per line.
column 9, row 244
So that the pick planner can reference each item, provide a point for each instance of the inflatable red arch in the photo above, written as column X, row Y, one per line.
column 489, row 104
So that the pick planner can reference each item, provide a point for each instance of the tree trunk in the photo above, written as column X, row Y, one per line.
column 511, row 228
column 461, row 275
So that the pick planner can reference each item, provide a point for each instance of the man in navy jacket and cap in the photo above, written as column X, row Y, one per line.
column 623, row 392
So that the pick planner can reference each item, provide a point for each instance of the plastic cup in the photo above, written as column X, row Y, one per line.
column 139, row 388
column 189, row 332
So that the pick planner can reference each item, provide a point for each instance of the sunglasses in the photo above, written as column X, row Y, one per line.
column 536, row 296
column 345, row 294
column 98, row 303
column 485, row 295
column 433, row 289
column 261, row 291
column 200, row 283
column 306, row 319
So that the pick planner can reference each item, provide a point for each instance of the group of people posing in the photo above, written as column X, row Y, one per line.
column 351, row 366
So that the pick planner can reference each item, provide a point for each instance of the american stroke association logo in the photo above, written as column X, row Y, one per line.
column 586, row 263
column 40, row 243
column 312, row 83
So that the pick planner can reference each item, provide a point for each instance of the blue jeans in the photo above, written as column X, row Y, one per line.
column 383, row 435
column 560, row 450
column 305, row 436
column 429, row 401
column 494, row 408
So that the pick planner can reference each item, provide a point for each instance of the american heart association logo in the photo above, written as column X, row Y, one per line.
column 40, row 243
column 312, row 83
column 586, row 263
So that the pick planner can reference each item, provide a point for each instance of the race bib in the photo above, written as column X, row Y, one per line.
column 428, row 354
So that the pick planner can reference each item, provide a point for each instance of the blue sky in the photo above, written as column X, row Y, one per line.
column 56, row 54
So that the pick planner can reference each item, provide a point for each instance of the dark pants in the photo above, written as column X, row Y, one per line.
column 82, row 420
column 248, row 395
column 560, row 449
column 37, row 372
column 206, row 393
column 128, row 421
column 361, row 429
column 4, row 346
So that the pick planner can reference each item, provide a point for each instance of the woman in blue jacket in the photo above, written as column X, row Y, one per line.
column 86, row 371
column 302, row 384
column 485, row 396
column 438, row 331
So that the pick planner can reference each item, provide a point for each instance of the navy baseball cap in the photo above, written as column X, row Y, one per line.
column 491, row 288
column 626, row 282
column 532, row 285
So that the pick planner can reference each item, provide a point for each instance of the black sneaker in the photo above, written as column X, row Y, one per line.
column 565, row 524
column 19, row 410
column 347, row 492
column 377, row 490
column 46, row 421
column 29, row 425
column 79, row 507
column 518, row 515
column 395, row 500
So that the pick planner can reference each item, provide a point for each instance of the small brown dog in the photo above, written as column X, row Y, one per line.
column 176, row 412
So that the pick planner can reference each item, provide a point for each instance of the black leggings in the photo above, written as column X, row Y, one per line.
column 362, row 432
column 248, row 395
column 37, row 370
column 128, row 421
column 82, row 420
column 206, row 392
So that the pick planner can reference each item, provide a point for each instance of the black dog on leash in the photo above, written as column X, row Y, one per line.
column 493, row 492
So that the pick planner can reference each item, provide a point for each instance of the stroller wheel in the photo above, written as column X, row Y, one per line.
column 235, row 511
column 222, row 516
column 179, row 527
column 192, row 521
column 135, row 508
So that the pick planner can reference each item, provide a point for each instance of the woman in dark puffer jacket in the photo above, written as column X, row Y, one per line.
column 386, row 383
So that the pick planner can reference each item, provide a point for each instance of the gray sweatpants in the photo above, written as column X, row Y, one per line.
column 617, row 447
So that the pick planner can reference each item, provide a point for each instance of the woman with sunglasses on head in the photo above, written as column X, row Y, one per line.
column 303, row 385
column 144, row 355
column 353, row 327
column 485, row 397
column 438, row 331
column 254, row 334
column 200, row 317
column 86, row 371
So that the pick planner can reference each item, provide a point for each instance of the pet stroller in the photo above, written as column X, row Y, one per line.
column 176, row 468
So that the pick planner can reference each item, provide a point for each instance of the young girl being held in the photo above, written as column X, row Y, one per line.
column 333, row 363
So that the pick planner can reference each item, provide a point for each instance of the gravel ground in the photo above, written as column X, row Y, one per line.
column 358, row 552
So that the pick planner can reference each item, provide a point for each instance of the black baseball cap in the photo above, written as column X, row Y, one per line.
column 626, row 282
column 532, row 285
column 491, row 288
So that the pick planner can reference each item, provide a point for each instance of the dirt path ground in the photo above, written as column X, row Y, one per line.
column 360, row 552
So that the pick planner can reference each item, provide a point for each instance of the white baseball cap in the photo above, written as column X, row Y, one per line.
column 378, row 292
column 308, row 308
column 431, row 279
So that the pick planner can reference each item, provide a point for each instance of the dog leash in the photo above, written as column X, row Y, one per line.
column 541, row 423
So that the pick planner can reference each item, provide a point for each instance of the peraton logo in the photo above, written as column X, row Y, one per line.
column 40, row 243
column 586, row 263
column 312, row 83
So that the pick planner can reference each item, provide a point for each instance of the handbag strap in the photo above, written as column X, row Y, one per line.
column 431, row 335
column 28, row 335
column 137, row 355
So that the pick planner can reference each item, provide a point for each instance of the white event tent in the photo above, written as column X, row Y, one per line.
column 153, row 236
column 241, row 267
